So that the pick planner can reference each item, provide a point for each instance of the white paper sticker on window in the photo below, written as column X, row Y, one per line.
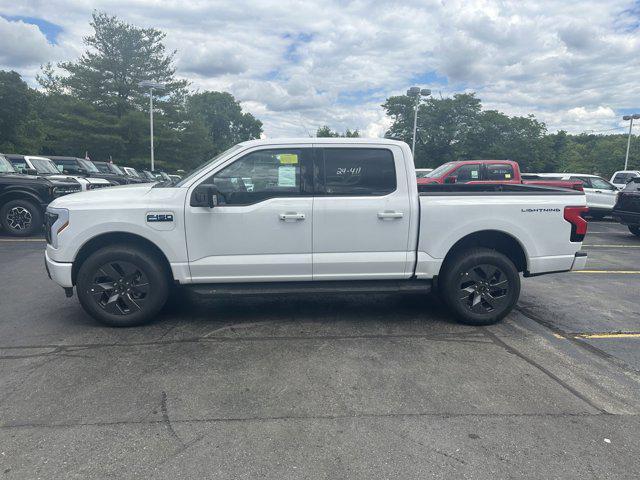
column 286, row 176
column 474, row 173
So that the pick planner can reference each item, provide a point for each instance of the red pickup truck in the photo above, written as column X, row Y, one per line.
column 489, row 171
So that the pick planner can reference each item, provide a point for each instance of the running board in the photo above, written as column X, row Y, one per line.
column 344, row 286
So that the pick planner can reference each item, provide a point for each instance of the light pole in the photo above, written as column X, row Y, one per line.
column 416, row 93
column 151, row 85
column 633, row 117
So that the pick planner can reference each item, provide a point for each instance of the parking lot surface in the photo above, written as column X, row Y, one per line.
column 353, row 386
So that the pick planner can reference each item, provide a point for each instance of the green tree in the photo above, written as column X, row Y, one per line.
column 326, row 132
column 222, row 116
column 118, row 58
column 20, row 126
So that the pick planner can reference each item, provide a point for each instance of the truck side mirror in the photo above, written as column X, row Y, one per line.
column 30, row 171
column 451, row 179
column 205, row 196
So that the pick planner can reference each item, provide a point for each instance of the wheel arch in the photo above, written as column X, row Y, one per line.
column 496, row 240
column 20, row 195
column 110, row 238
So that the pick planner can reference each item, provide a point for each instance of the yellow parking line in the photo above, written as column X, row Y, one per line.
column 22, row 239
column 624, row 272
column 609, row 335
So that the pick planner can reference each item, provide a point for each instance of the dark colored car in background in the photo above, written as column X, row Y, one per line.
column 83, row 167
column 24, row 198
column 108, row 167
column 627, row 209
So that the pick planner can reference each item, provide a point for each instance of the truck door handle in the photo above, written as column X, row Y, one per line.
column 388, row 214
column 292, row 217
column 598, row 191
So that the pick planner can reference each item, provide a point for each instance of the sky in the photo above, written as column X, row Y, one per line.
column 298, row 65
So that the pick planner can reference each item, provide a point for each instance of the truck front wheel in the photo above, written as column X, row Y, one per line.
column 122, row 286
column 20, row 218
column 481, row 286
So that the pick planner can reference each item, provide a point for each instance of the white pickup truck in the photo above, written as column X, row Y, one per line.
column 310, row 215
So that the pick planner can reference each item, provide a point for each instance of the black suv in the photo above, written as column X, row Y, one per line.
column 84, row 168
column 627, row 209
column 107, row 167
column 24, row 198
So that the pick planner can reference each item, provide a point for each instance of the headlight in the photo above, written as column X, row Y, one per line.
column 55, row 221
column 60, row 190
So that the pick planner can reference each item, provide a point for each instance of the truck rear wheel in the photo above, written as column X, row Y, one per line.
column 122, row 286
column 20, row 218
column 481, row 286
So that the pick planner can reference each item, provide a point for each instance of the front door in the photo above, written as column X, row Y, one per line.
column 361, row 214
column 261, row 228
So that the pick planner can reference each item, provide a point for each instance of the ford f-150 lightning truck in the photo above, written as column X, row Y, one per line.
column 310, row 215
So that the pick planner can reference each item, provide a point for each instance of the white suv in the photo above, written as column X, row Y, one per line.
column 621, row 177
column 601, row 194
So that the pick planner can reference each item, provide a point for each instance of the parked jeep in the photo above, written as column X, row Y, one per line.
column 23, row 198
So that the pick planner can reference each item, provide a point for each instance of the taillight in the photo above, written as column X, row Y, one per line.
column 574, row 215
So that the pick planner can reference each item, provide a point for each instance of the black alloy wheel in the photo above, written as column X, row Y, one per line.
column 480, row 285
column 120, row 288
column 123, row 285
column 483, row 289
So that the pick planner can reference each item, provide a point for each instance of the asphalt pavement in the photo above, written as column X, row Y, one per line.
column 351, row 386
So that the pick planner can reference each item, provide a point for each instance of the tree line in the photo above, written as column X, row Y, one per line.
column 457, row 128
column 96, row 105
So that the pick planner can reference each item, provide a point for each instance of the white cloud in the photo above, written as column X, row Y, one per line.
column 299, row 65
column 22, row 45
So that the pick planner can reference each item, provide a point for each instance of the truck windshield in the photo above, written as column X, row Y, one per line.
column 44, row 166
column 5, row 166
column 88, row 166
column 442, row 169
column 115, row 169
column 202, row 167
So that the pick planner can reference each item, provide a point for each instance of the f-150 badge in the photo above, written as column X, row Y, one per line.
column 160, row 217
column 161, row 221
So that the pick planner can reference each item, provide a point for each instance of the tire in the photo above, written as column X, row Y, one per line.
column 122, row 286
column 480, row 286
column 20, row 218
column 635, row 229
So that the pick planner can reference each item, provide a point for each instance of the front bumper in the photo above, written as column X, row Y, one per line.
column 59, row 272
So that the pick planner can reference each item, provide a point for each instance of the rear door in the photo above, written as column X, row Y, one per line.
column 361, row 213
column 498, row 172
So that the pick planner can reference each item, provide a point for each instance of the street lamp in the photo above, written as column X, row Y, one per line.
column 633, row 117
column 151, row 85
column 416, row 93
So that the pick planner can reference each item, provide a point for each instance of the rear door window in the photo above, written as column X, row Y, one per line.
column 499, row 172
column 355, row 172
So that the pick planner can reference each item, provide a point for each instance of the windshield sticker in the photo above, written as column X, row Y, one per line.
column 474, row 173
column 288, row 159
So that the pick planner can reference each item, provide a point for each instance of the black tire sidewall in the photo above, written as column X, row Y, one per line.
column 635, row 229
column 462, row 263
column 149, row 264
column 36, row 217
